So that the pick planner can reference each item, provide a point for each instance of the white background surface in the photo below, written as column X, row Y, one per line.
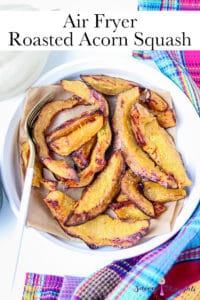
column 38, row 254
column 77, row 4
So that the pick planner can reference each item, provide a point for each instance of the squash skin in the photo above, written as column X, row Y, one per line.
column 97, row 196
column 135, row 157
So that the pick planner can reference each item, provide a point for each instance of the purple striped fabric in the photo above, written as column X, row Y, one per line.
column 69, row 285
column 42, row 287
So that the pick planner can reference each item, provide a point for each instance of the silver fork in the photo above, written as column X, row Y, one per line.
column 24, row 203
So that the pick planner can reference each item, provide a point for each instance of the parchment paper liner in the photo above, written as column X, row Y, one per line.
column 39, row 216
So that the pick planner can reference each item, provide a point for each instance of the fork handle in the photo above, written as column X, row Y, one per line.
column 21, row 221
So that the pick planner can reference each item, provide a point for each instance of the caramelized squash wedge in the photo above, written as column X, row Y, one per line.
column 155, row 192
column 97, row 197
column 166, row 119
column 107, row 84
column 97, row 159
column 101, row 231
column 113, row 86
column 80, row 89
column 81, row 156
column 37, row 175
column 60, row 205
column 135, row 157
column 129, row 187
column 65, row 145
column 158, row 144
column 159, row 209
column 127, row 210
column 73, row 124
column 46, row 115
column 106, row 231
column 153, row 101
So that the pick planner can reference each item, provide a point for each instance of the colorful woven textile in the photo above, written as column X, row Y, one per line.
column 175, row 282
column 69, row 285
column 42, row 287
column 168, row 5
column 182, row 67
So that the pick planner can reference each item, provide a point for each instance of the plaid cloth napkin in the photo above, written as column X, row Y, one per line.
column 161, row 273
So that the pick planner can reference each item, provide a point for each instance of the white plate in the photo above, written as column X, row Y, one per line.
column 188, row 128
